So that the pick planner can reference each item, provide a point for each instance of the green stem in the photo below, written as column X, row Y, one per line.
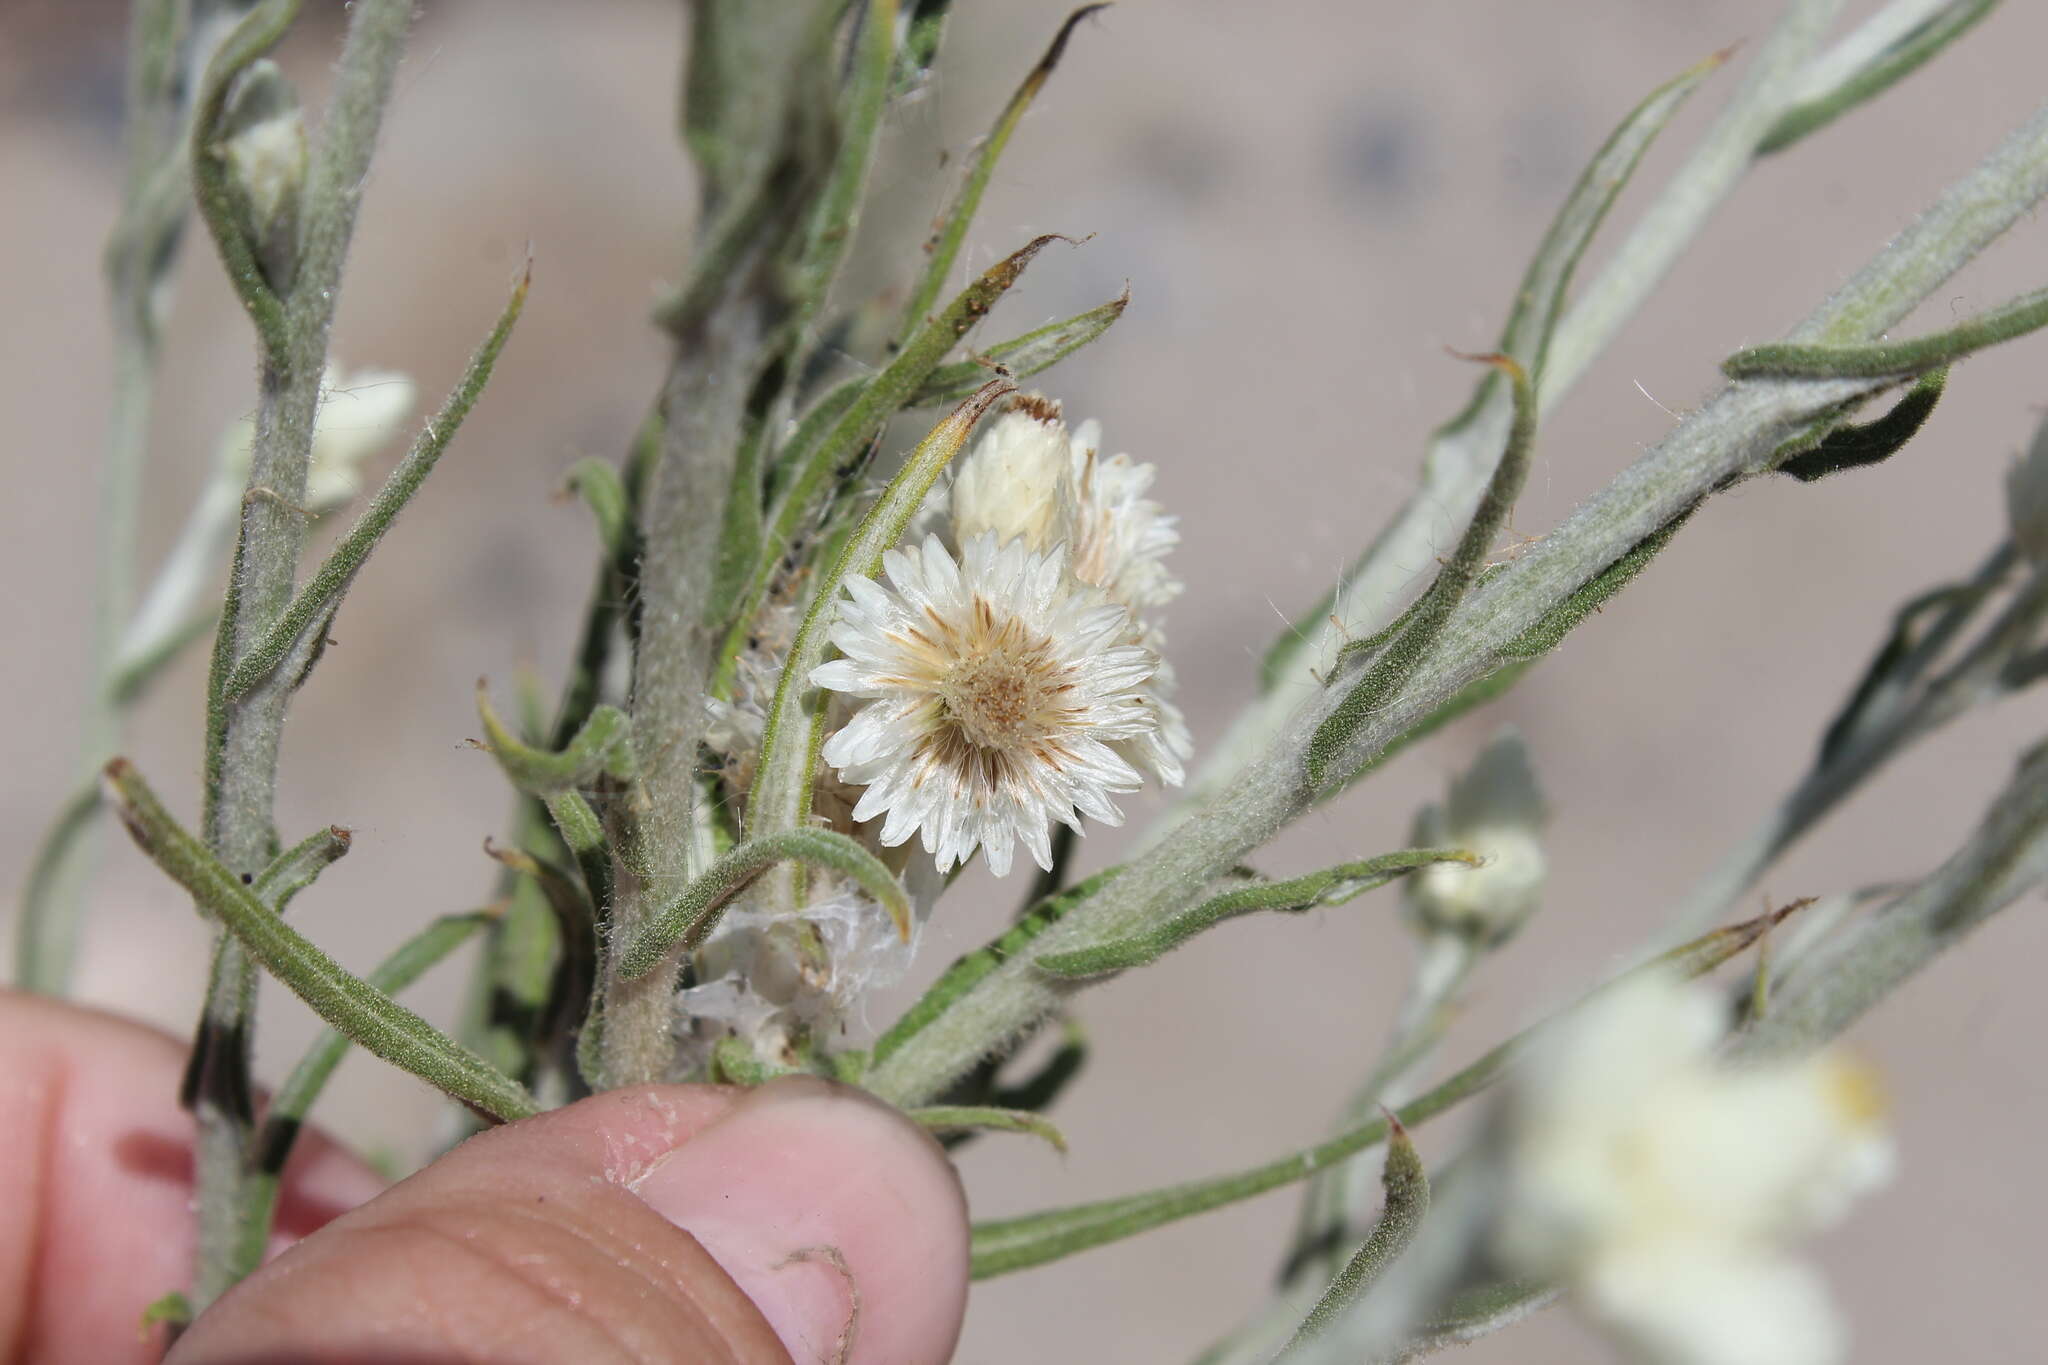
column 1729, row 436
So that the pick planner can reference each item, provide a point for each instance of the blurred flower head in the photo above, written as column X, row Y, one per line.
column 1662, row 1185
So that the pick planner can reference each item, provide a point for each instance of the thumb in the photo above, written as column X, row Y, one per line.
column 661, row 1223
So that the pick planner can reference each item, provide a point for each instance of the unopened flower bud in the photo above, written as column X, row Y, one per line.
column 1495, row 810
column 263, row 144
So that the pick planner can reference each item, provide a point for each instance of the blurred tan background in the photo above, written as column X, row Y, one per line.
column 1310, row 201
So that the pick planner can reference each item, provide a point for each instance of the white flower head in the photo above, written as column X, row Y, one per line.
column 1661, row 1184
column 1028, row 478
column 1496, row 810
column 996, row 690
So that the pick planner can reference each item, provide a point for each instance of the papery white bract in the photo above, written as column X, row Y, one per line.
column 1661, row 1185
column 1118, row 537
column 996, row 688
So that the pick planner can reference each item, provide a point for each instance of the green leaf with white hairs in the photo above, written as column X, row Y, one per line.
column 1407, row 1201
column 1800, row 360
column 1398, row 659
column 1331, row 886
column 805, row 470
column 1892, row 44
column 1022, row 356
column 314, row 604
column 1008, row 1244
column 367, row 1015
column 1830, row 449
column 295, row 869
column 294, row 1100
column 684, row 923
column 1470, row 438
column 602, row 748
column 950, row 232
column 597, row 482
column 970, row 968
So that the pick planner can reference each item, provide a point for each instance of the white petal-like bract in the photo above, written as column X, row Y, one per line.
column 998, row 692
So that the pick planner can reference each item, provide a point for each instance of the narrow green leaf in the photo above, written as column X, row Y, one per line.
column 964, row 1118
column 597, row 482
column 561, row 891
column 295, row 1099
column 1539, row 303
column 1565, row 617
column 1399, row 659
column 172, row 1308
column 684, row 922
column 1407, row 1201
column 1794, row 360
column 295, row 869
column 1852, row 447
column 781, row 798
column 1011, row 1244
column 1331, row 886
column 583, row 834
column 258, row 31
column 970, row 968
column 367, row 1015
column 1038, row 1090
column 602, row 748
column 317, row 601
column 1480, row 1311
column 807, row 469
column 1895, row 62
column 950, row 232
column 1022, row 356
column 924, row 29
column 836, row 213
column 1909, row 626
column 739, row 538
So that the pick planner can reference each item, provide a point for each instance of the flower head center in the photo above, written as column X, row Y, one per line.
column 1000, row 697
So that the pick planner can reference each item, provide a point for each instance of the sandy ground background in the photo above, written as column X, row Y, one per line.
column 1310, row 200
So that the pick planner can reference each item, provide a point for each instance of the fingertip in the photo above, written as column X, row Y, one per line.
column 843, row 1221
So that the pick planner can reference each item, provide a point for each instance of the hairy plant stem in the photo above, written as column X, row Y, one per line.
column 705, row 404
column 243, row 733
column 1732, row 435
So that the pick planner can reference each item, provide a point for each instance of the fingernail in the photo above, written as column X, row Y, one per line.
column 840, row 1219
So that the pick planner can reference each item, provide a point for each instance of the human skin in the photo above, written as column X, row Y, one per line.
column 801, row 1221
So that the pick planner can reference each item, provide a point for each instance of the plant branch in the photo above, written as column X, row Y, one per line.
column 1733, row 434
